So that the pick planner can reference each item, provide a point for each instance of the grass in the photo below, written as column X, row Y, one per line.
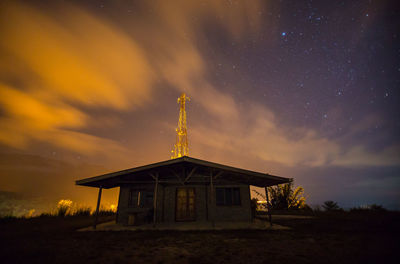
column 325, row 238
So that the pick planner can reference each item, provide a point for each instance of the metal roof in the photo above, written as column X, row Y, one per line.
column 164, row 168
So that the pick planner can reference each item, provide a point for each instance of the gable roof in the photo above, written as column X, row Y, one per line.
column 165, row 168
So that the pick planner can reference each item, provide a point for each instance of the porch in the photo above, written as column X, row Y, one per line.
column 257, row 224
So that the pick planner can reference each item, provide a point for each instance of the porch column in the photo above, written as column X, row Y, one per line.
column 97, row 208
column 155, row 201
column 268, row 206
column 212, row 199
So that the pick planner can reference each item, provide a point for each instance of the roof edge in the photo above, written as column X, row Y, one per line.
column 88, row 181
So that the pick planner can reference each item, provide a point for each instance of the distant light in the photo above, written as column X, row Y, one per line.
column 283, row 34
column 366, row 14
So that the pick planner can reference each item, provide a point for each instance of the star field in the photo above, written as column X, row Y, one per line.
column 324, row 57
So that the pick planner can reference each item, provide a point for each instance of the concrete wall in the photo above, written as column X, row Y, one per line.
column 206, row 210
column 240, row 212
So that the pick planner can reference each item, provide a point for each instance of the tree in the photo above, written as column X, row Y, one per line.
column 284, row 197
column 331, row 206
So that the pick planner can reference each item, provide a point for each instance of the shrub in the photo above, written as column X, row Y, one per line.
column 29, row 214
column 82, row 211
column 106, row 212
column 331, row 206
column 317, row 209
column 63, row 208
column 377, row 208
column 7, row 218
column 46, row 214
column 369, row 208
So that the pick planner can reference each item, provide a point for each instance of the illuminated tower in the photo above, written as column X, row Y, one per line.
column 181, row 147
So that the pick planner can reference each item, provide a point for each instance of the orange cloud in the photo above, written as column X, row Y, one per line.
column 53, row 64
column 76, row 56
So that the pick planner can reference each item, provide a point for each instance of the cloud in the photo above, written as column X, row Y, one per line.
column 176, row 53
column 55, row 65
column 263, row 139
column 250, row 130
column 360, row 156
column 60, row 66
column 59, row 63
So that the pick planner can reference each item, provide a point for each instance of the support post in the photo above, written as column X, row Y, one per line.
column 97, row 208
column 212, row 199
column 155, row 201
column 268, row 206
column 206, row 191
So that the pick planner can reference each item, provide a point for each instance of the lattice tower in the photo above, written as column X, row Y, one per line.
column 181, row 147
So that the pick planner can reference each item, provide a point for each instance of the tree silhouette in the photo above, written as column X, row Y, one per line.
column 331, row 206
column 284, row 197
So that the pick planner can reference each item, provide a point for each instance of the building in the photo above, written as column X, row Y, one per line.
column 182, row 189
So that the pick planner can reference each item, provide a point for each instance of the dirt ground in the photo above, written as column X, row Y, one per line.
column 327, row 238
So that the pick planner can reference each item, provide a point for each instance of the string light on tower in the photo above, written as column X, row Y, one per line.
column 181, row 147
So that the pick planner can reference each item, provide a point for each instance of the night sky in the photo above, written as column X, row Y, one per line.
column 301, row 89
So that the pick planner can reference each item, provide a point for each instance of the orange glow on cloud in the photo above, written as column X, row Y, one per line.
column 58, row 64
column 76, row 57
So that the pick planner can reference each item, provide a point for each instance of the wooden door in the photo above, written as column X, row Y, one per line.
column 185, row 204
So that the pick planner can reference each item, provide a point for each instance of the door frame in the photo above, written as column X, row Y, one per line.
column 187, row 199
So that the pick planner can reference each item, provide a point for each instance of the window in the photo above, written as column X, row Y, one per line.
column 140, row 199
column 228, row 196
column 134, row 198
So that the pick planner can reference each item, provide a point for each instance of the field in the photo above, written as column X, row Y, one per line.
column 325, row 238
